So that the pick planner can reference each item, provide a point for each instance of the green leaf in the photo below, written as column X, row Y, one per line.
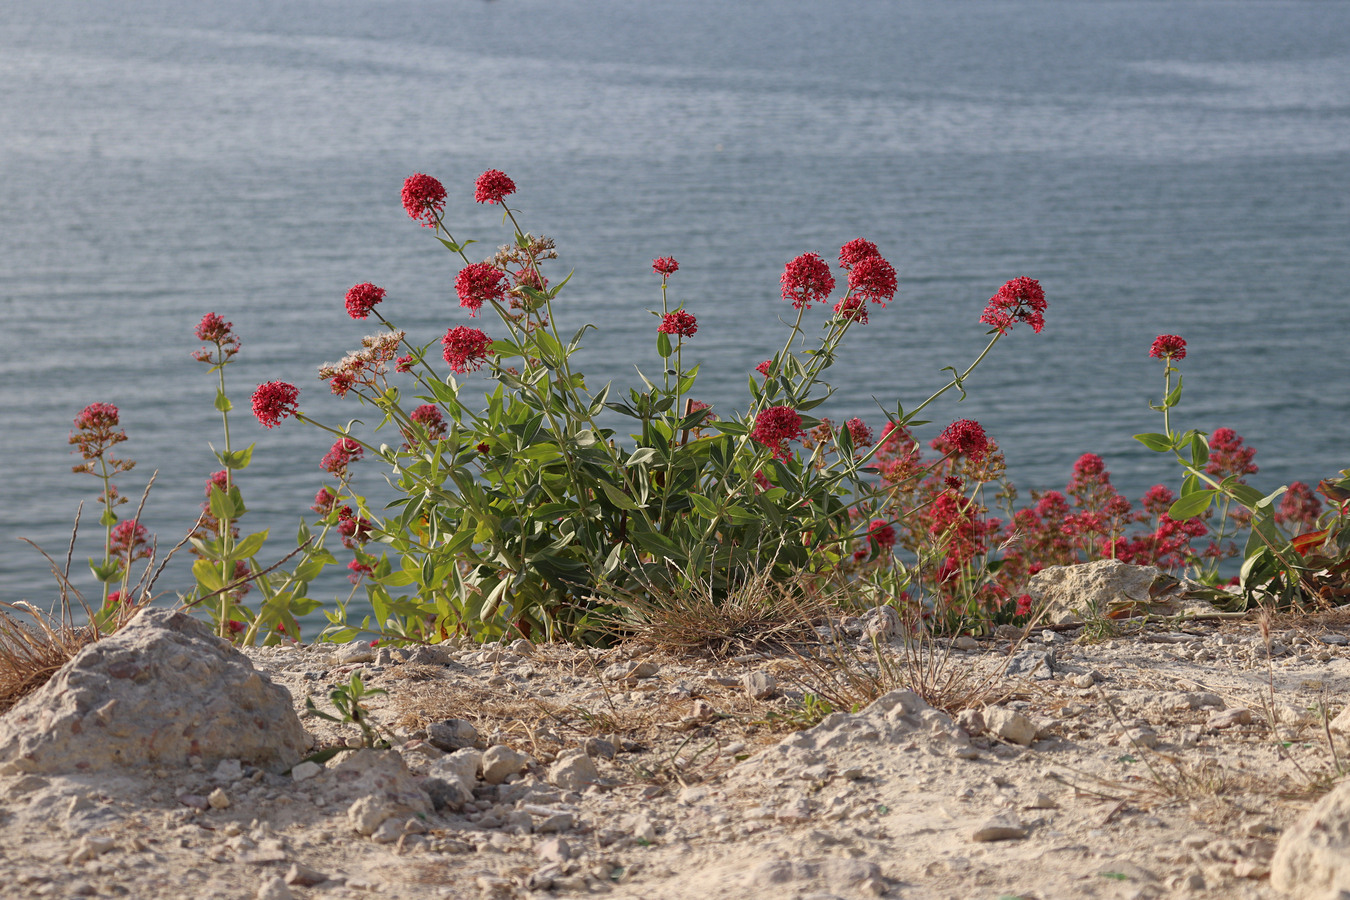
column 249, row 546
column 618, row 497
column 223, row 403
column 236, row 459
column 663, row 346
column 207, row 575
column 643, row 456
column 107, row 518
column 1158, row 443
column 1199, row 450
column 1245, row 494
column 1192, row 505
column 705, row 507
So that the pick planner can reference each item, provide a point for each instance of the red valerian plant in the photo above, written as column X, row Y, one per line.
column 493, row 186
column 678, row 323
column 424, row 199
column 529, row 512
column 1019, row 300
column 362, row 298
column 665, row 266
column 466, row 349
column 807, row 280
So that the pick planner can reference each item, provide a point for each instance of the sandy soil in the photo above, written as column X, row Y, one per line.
column 1153, row 762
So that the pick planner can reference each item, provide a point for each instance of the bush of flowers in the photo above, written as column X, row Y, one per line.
column 542, row 505
column 530, row 510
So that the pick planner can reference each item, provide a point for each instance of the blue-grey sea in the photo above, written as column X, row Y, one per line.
column 1161, row 167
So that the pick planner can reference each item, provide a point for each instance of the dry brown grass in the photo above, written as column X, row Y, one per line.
column 35, row 644
column 764, row 613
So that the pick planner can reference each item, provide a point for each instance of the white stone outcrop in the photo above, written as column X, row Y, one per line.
column 161, row 691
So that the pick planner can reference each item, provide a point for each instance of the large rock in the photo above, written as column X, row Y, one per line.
column 1072, row 594
column 1313, row 857
column 159, row 691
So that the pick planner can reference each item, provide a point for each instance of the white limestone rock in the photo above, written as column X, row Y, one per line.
column 162, row 690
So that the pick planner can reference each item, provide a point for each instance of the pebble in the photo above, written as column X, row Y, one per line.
column 305, row 770
column 452, row 734
column 1228, row 718
column 274, row 887
column 1002, row 827
column 574, row 771
column 965, row 642
column 501, row 761
column 218, row 799
column 1009, row 725
column 760, row 685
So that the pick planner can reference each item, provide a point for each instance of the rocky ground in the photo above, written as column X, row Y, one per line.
column 1113, row 760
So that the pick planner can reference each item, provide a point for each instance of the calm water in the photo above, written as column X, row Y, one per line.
column 1168, row 167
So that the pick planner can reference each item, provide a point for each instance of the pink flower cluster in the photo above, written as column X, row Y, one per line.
column 678, row 323
column 343, row 453
column 1019, row 300
column 430, row 418
column 274, row 401
column 665, row 266
column 1168, row 346
column 361, row 299
column 424, row 199
column 493, row 186
column 480, row 283
column 964, row 436
column 213, row 329
column 807, row 280
column 466, row 349
column 775, row 426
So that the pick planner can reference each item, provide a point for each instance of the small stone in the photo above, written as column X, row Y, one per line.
column 1009, row 725
column 304, row 876
column 305, row 770
column 452, row 734
column 643, row 831
column 1042, row 800
column 554, row 850
column 274, row 888
column 1342, row 722
column 369, row 813
column 355, row 652
column 1335, row 640
column 1228, row 718
column 1083, row 681
column 599, row 748
column 1003, row 827
column 573, row 771
column 218, row 799
column 500, row 761
column 193, row 801
column 971, row 721
column 760, row 685
column 965, row 642
column 228, row 771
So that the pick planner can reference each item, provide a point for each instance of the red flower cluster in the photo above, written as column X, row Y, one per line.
column 775, row 426
column 1228, row 456
column 678, row 323
column 872, row 278
column 351, row 528
column 478, row 283
column 219, row 480
column 665, row 266
column 964, row 436
column 466, row 349
column 430, row 418
column 95, row 432
column 1300, row 507
column 129, row 539
column 324, row 501
column 807, row 280
column 274, row 401
column 1020, row 300
column 765, row 368
column 358, row 569
column 1168, row 346
column 213, row 329
column 424, row 199
column 855, row 251
column 97, row 417
column 852, row 309
column 881, row 532
column 344, row 452
column 859, row 432
column 493, row 186
column 361, row 299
